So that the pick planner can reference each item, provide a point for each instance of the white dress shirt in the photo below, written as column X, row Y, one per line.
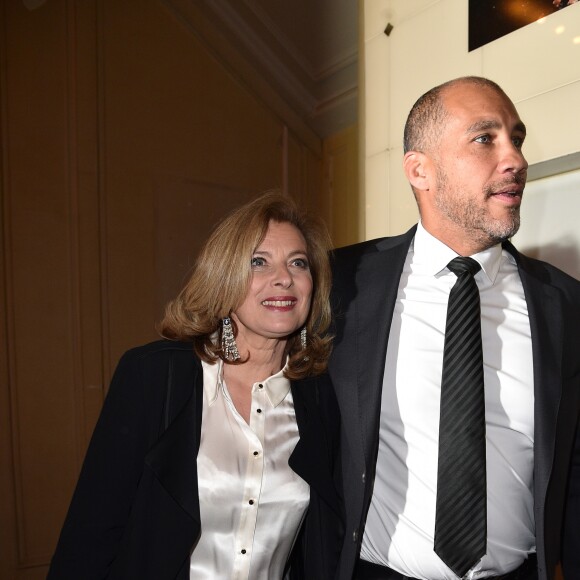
column 251, row 502
column 401, row 521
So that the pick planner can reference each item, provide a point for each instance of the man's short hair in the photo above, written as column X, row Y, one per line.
column 428, row 114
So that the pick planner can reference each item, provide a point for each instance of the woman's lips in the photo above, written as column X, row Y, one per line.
column 284, row 303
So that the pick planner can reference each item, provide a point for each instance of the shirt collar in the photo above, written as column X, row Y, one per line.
column 275, row 386
column 434, row 255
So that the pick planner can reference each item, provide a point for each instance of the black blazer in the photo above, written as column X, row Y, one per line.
column 366, row 278
column 135, row 510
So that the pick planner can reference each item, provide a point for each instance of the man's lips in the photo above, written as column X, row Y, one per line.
column 512, row 192
column 509, row 191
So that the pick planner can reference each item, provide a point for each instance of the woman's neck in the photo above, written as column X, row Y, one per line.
column 261, row 364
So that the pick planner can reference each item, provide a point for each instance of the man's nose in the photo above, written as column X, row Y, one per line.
column 513, row 160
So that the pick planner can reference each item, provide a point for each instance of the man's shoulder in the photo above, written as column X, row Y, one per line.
column 547, row 273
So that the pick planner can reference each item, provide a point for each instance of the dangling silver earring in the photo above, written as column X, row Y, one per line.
column 229, row 346
column 303, row 338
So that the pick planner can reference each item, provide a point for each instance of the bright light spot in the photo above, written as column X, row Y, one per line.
column 576, row 40
column 541, row 20
column 560, row 29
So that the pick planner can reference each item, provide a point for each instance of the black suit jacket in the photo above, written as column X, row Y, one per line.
column 366, row 278
column 135, row 511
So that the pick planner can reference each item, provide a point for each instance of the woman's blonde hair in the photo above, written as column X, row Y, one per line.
column 222, row 275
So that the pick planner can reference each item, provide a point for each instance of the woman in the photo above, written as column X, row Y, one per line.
column 187, row 474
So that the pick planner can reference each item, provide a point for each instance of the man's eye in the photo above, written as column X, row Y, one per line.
column 518, row 142
column 483, row 139
column 256, row 261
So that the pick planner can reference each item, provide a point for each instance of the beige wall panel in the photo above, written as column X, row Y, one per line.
column 548, row 62
column 377, row 105
column 403, row 211
column 553, row 124
column 424, row 55
column 341, row 181
column 377, row 196
column 537, row 65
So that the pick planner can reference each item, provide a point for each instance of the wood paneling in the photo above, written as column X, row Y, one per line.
column 51, row 270
column 123, row 141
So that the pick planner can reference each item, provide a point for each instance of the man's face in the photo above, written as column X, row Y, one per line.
column 478, row 171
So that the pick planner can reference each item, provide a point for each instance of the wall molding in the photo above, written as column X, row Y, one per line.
column 248, row 43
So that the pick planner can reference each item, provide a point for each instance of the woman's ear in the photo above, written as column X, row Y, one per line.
column 415, row 167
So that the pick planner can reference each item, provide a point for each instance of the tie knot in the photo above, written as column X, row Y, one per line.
column 460, row 265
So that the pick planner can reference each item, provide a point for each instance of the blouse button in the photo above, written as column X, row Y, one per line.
column 256, row 453
column 243, row 551
column 261, row 386
column 259, row 410
column 251, row 502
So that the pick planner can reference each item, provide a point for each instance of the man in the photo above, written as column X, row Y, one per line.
column 463, row 159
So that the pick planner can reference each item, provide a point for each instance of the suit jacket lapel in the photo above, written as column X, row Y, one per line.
column 544, row 309
column 377, row 283
column 546, row 326
column 311, row 458
column 375, row 304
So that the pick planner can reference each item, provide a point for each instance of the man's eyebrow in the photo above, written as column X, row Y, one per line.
column 487, row 124
column 483, row 125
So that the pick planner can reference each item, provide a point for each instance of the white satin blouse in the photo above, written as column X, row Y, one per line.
column 251, row 502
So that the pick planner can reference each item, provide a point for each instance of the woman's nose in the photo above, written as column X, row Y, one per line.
column 282, row 277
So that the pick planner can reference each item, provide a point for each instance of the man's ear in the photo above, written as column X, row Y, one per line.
column 415, row 166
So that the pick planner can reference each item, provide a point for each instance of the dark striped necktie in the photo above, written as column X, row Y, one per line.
column 461, row 516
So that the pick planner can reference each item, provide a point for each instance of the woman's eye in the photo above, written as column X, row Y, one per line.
column 257, row 261
column 300, row 263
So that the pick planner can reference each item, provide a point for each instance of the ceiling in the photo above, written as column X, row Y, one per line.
column 306, row 51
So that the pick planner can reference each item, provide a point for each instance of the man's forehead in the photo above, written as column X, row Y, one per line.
column 481, row 106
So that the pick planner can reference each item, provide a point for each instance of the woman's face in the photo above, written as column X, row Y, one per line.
column 278, row 300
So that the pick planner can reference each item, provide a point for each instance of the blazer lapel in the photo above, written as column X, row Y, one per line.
column 377, row 283
column 545, row 312
column 173, row 457
column 547, row 331
column 546, row 325
column 311, row 458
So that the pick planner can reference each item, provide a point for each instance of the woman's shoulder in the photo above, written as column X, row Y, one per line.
column 158, row 355
column 160, row 348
